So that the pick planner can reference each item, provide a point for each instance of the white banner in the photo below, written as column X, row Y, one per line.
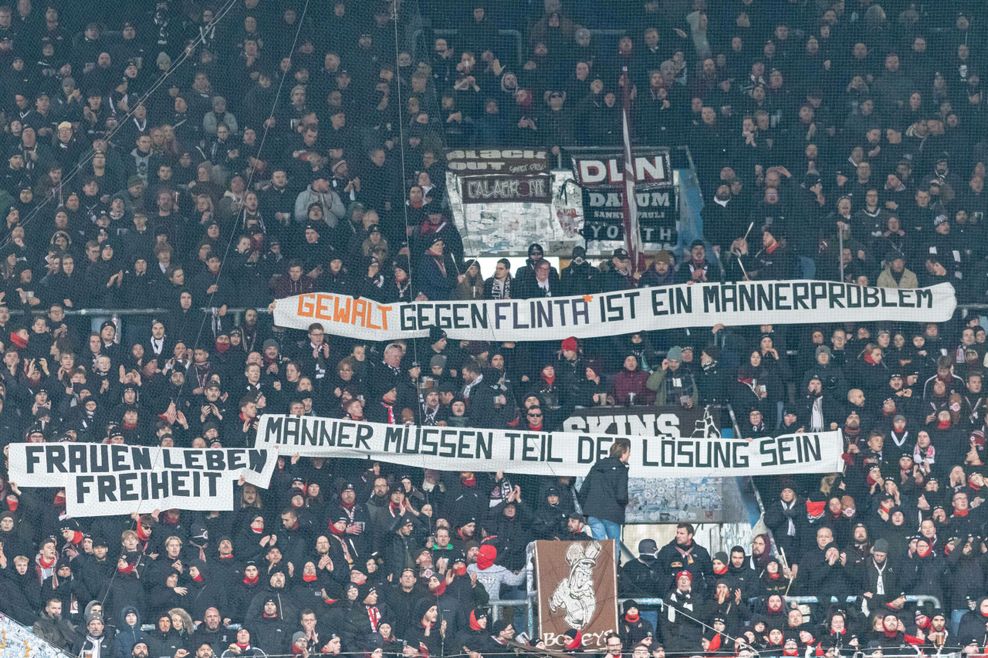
column 626, row 311
column 548, row 453
column 105, row 480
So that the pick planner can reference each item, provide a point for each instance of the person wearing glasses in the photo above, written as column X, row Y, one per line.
column 535, row 419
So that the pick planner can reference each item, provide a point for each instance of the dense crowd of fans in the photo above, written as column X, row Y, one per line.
column 195, row 155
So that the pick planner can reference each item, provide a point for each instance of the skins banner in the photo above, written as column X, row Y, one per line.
column 104, row 480
column 577, row 588
column 622, row 312
column 547, row 453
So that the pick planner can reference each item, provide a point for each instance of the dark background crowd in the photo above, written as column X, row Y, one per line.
column 198, row 157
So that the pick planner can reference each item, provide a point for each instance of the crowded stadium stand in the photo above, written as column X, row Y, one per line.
column 485, row 328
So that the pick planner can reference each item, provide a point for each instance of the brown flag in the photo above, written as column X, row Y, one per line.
column 577, row 587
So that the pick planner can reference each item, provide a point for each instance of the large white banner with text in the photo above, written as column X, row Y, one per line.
column 626, row 311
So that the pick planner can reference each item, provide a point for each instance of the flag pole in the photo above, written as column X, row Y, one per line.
column 632, row 233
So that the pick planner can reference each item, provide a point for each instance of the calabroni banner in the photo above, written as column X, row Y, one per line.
column 104, row 480
column 625, row 311
column 541, row 453
column 577, row 587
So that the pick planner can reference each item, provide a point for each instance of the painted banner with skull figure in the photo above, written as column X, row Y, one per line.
column 577, row 589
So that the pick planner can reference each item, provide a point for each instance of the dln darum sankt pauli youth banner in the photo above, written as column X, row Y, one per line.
column 541, row 453
column 626, row 311
column 104, row 480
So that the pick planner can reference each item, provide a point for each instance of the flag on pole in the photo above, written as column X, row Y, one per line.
column 632, row 234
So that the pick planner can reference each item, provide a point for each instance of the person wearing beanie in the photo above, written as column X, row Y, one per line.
column 492, row 575
column 680, row 621
column 574, row 641
column 525, row 274
column 712, row 378
column 633, row 627
column 476, row 633
column 570, row 370
column 662, row 271
column 93, row 639
column 580, row 276
column 272, row 632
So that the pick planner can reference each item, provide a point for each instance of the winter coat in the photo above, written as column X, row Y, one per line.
column 604, row 493
column 127, row 636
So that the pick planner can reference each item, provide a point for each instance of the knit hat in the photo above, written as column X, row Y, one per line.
column 823, row 349
column 664, row 257
column 486, row 555
column 436, row 334
column 570, row 344
column 684, row 572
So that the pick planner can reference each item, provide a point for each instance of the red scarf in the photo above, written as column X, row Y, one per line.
column 469, row 482
column 943, row 425
column 714, row 643
column 338, row 533
column 962, row 512
column 243, row 647
column 251, row 581
column 142, row 534
column 630, row 618
column 198, row 578
column 46, row 565
column 129, row 568
column 375, row 617
column 310, row 577
column 720, row 571
column 774, row 576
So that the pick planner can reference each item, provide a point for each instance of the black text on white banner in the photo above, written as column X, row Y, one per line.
column 626, row 311
column 541, row 453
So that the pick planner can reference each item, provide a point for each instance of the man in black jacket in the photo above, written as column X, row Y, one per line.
column 93, row 641
column 604, row 494
column 684, row 554
column 52, row 628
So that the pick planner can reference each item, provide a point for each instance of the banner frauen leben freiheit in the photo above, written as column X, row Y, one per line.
column 625, row 311
column 544, row 453
column 104, row 480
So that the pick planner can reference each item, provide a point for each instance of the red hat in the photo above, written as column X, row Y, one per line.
column 19, row 341
column 486, row 555
column 570, row 344
column 684, row 572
